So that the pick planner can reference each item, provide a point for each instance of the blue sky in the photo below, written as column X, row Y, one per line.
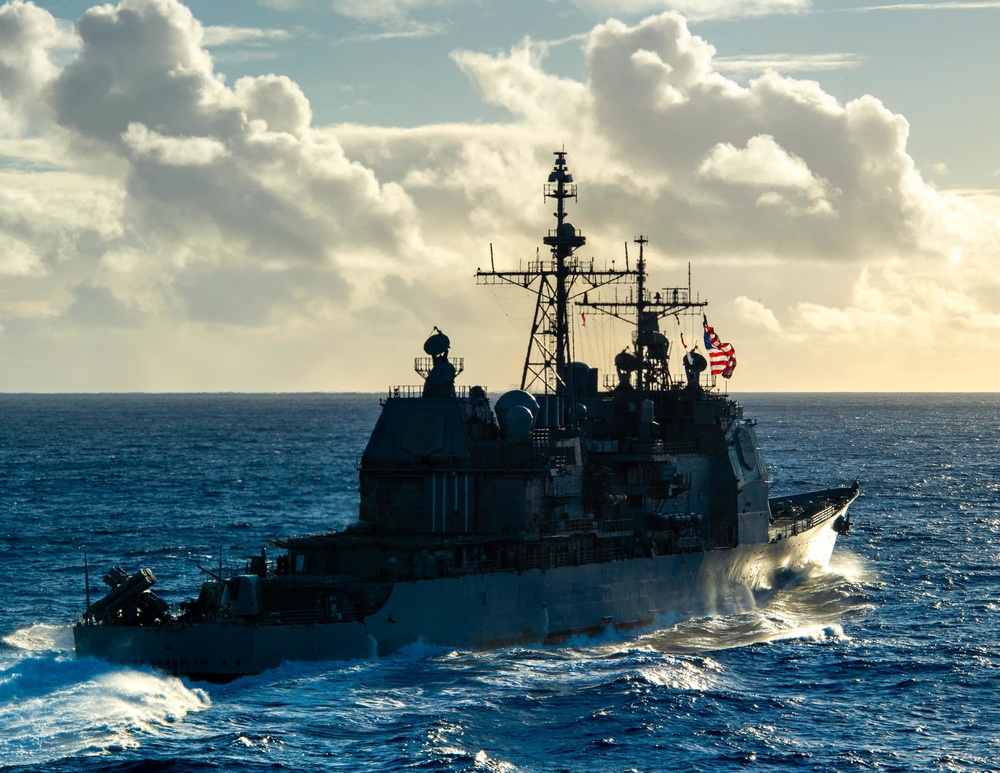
column 286, row 195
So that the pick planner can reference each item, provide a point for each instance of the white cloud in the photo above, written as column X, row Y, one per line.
column 19, row 259
column 402, row 30
column 216, row 188
column 214, row 232
column 977, row 5
column 277, row 101
column 699, row 10
column 172, row 151
column 660, row 136
column 786, row 63
column 756, row 313
column 51, row 220
column 28, row 35
column 227, row 36
column 518, row 82
column 287, row 5
column 383, row 10
column 766, row 165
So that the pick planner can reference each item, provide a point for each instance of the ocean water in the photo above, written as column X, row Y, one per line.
column 887, row 661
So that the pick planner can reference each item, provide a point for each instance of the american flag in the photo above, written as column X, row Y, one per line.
column 721, row 356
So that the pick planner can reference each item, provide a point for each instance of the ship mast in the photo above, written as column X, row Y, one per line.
column 564, row 242
column 644, row 311
column 549, row 347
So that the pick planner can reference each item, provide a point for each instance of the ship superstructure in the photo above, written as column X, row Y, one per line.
column 562, row 508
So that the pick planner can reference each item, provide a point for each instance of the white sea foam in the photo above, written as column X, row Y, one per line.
column 484, row 761
column 811, row 606
column 52, row 708
column 686, row 675
column 41, row 638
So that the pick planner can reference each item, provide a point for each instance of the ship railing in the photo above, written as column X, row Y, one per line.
column 424, row 365
column 601, row 446
column 577, row 554
column 690, row 447
column 417, row 390
column 294, row 616
column 784, row 526
column 690, row 544
column 550, row 266
column 643, row 447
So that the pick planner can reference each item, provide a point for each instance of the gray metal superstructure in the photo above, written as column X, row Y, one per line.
column 563, row 508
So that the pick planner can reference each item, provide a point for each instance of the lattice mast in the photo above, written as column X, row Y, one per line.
column 549, row 346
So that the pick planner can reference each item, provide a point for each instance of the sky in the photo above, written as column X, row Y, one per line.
column 288, row 195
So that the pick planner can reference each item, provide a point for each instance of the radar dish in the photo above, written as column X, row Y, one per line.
column 437, row 345
column 626, row 362
column 695, row 362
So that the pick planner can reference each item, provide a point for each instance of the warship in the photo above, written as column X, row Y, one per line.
column 566, row 507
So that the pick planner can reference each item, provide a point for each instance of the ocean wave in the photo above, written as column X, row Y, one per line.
column 57, row 707
column 41, row 637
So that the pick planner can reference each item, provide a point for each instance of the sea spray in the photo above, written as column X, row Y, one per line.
column 54, row 706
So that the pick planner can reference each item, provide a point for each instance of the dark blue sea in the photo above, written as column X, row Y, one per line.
column 887, row 661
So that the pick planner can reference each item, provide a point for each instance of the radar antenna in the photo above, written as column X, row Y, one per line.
column 644, row 310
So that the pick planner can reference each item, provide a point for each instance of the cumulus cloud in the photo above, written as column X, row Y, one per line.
column 28, row 35
column 180, row 198
column 172, row 151
column 214, row 219
column 818, row 201
column 765, row 165
column 756, row 313
column 277, row 101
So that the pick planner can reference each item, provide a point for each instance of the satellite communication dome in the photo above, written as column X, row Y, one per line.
column 512, row 399
column 519, row 424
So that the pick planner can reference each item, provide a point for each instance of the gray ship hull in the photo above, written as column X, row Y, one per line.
column 479, row 610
